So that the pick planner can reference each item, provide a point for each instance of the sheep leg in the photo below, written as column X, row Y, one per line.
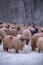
column 33, row 47
column 16, row 51
column 5, row 49
column 39, row 50
column 0, row 42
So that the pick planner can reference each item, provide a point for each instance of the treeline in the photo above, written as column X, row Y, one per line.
column 21, row 11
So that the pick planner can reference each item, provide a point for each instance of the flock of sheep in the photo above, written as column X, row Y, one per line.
column 16, row 36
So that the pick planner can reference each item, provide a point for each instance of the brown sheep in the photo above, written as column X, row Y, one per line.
column 40, row 44
column 10, row 31
column 34, row 39
column 26, row 34
column 14, row 32
column 41, row 29
column 33, row 29
column 6, row 27
column 11, row 42
column 13, row 27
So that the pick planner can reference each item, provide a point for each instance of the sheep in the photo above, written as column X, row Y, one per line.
column 41, row 29
column 6, row 27
column 13, row 26
column 26, row 34
column 40, row 44
column 11, row 42
column 12, row 31
column 33, row 29
column 34, row 39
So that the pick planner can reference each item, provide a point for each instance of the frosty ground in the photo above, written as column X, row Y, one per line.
column 25, row 57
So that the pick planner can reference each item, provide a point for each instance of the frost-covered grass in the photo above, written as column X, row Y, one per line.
column 25, row 57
